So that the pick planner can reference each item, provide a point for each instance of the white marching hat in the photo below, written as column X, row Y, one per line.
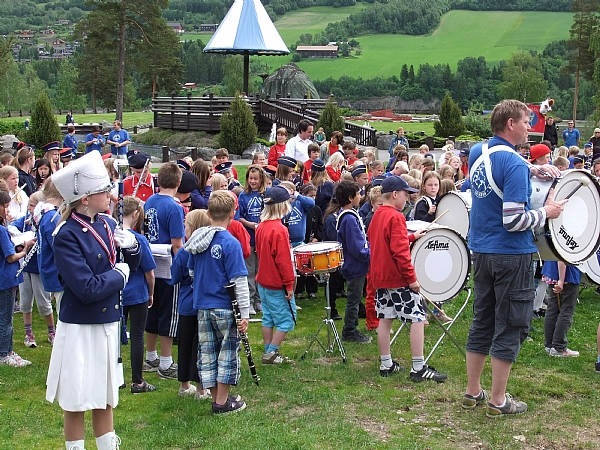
column 84, row 176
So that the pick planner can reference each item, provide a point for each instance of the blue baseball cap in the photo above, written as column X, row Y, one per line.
column 396, row 183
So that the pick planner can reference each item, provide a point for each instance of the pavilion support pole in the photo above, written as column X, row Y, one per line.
column 246, row 70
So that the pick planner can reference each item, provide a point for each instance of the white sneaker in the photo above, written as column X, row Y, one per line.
column 14, row 360
column 252, row 311
column 563, row 353
column 186, row 392
column 199, row 396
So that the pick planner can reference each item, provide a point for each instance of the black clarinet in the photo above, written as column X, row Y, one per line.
column 244, row 336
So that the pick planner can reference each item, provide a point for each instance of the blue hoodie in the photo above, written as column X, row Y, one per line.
column 351, row 235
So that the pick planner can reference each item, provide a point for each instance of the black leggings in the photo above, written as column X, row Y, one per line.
column 187, row 345
column 136, row 316
column 308, row 281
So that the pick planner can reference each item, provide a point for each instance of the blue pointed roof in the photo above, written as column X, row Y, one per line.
column 247, row 28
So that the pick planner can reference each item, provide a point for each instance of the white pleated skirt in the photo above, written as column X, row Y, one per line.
column 84, row 372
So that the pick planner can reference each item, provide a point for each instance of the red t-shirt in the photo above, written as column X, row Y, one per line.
column 238, row 231
column 334, row 175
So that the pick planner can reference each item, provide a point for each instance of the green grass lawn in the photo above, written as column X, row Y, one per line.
column 409, row 127
column 320, row 403
column 129, row 118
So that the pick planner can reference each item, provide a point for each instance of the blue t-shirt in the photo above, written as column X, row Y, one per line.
column 165, row 219
column 8, row 271
column 487, row 233
column 46, row 266
column 118, row 136
column 32, row 265
column 571, row 137
column 181, row 274
column 97, row 146
column 296, row 220
column 70, row 142
column 572, row 274
column 215, row 268
column 250, row 207
column 136, row 290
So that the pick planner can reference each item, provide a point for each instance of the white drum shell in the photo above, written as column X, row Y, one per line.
column 574, row 236
column 458, row 205
column 591, row 270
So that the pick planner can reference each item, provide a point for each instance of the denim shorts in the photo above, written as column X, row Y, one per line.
column 503, row 304
column 218, row 348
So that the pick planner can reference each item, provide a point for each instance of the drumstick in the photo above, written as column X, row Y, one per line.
column 583, row 181
column 17, row 191
column 436, row 219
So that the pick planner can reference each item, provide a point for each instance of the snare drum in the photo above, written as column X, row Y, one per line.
column 442, row 261
column 575, row 235
column 458, row 205
column 318, row 257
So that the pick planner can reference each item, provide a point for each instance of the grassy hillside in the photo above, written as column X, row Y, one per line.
column 461, row 34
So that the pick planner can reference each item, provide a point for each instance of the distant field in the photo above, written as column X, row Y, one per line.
column 129, row 118
column 495, row 35
column 409, row 127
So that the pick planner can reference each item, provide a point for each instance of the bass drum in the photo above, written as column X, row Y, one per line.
column 590, row 271
column 575, row 235
column 442, row 261
column 458, row 205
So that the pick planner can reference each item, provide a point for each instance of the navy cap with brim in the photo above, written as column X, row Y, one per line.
column 276, row 194
column 318, row 165
column 287, row 161
column 54, row 145
column 189, row 182
column 224, row 167
column 137, row 160
column 359, row 171
column 395, row 183
column 378, row 180
column 183, row 165
column 578, row 160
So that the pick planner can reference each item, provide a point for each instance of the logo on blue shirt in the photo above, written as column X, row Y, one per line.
column 152, row 217
column 479, row 183
column 216, row 251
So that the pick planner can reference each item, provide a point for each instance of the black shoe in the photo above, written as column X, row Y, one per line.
column 427, row 373
column 335, row 315
column 357, row 337
column 395, row 368
column 142, row 387
column 598, row 367
column 362, row 311
column 232, row 405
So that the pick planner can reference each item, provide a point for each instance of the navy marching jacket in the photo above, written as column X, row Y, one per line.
column 91, row 285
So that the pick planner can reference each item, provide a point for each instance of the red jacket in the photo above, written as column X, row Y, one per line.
column 239, row 232
column 274, row 153
column 391, row 266
column 334, row 175
column 275, row 267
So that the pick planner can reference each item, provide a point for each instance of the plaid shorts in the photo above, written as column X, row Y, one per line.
column 401, row 303
column 218, row 348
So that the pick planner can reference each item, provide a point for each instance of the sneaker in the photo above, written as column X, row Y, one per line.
column 51, row 337
column 151, row 366
column 427, row 373
column 200, row 396
column 14, row 360
column 258, row 306
column 387, row 372
column 299, row 295
column 335, row 315
column 298, row 308
column 511, row 406
column 252, row 310
column 275, row 358
column 547, row 349
column 357, row 337
column 189, row 391
column 17, row 308
column 563, row 353
column 440, row 314
column 231, row 406
column 312, row 296
column 30, row 341
column 142, row 387
column 168, row 374
column 470, row 402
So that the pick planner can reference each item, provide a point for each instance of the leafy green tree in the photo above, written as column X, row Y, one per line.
column 523, row 78
column 64, row 94
column 238, row 129
column 331, row 118
column 451, row 121
column 476, row 122
column 233, row 79
column 43, row 127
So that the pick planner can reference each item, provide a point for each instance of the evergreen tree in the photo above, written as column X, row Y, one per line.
column 451, row 121
column 238, row 129
column 43, row 127
column 331, row 119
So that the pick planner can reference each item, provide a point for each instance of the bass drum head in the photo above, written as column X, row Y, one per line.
column 576, row 232
column 591, row 268
column 458, row 205
column 442, row 264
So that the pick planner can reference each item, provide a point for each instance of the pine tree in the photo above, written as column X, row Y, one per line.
column 451, row 121
column 43, row 127
column 331, row 119
column 238, row 129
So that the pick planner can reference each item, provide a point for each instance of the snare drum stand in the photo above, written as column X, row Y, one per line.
column 331, row 329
